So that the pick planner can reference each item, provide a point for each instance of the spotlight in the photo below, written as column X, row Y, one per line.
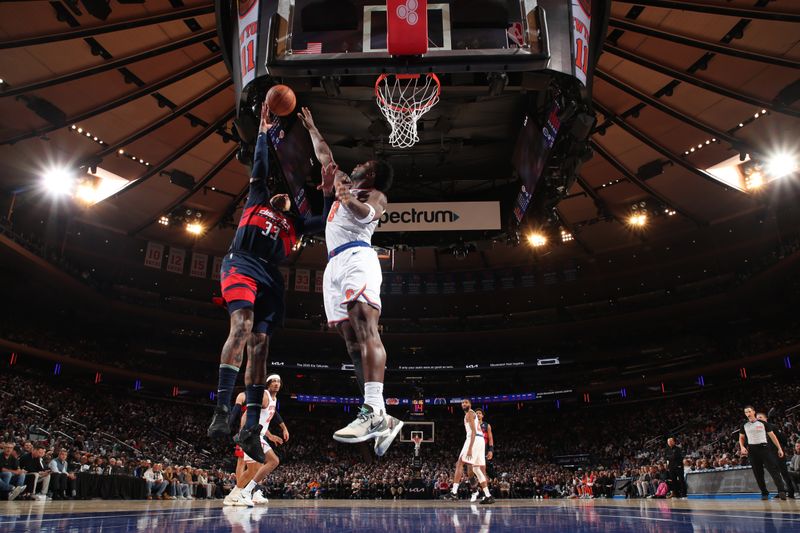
column 86, row 193
column 58, row 181
column 164, row 220
column 80, row 130
column 566, row 236
column 754, row 181
column 194, row 228
column 638, row 220
column 537, row 239
column 781, row 164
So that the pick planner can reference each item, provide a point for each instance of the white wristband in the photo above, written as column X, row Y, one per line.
column 367, row 219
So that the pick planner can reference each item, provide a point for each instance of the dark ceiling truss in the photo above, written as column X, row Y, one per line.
column 155, row 169
column 683, row 5
column 738, row 144
column 648, row 141
column 147, row 20
column 573, row 231
column 138, row 93
column 177, row 112
column 231, row 208
column 191, row 192
column 598, row 201
column 633, row 178
column 694, row 80
column 703, row 45
column 113, row 64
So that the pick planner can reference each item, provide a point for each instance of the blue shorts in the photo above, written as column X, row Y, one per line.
column 248, row 283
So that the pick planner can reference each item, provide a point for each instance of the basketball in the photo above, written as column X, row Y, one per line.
column 281, row 100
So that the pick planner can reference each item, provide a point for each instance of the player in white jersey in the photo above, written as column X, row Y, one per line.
column 254, row 471
column 473, row 455
column 352, row 284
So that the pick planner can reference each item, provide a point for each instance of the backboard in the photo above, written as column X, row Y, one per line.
column 427, row 429
column 349, row 37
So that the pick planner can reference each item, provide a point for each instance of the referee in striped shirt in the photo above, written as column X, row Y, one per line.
column 755, row 434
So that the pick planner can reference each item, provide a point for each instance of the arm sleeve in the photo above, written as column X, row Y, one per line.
column 259, row 192
column 315, row 224
column 277, row 418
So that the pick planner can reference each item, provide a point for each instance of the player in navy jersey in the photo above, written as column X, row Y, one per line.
column 252, row 287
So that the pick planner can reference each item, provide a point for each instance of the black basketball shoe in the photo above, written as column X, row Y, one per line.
column 219, row 428
column 249, row 439
column 450, row 496
column 487, row 500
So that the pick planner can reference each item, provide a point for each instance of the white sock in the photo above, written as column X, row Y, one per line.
column 249, row 488
column 454, row 490
column 373, row 396
column 486, row 492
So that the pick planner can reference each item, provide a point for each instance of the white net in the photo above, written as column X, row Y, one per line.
column 403, row 99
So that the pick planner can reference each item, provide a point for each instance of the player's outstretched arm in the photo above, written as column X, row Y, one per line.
column 321, row 148
column 316, row 223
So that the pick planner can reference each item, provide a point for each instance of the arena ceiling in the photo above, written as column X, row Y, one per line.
column 144, row 91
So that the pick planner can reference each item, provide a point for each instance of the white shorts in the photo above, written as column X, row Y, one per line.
column 264, row 446
column 478, row 457
column 353, row 275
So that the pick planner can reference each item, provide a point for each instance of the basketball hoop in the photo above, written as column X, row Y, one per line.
column 403, row 99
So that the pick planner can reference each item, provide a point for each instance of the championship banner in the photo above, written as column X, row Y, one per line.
column 248, row 39
column 154, row 255
column 199, row 265
column 396, row 285
column 507, row 280
column 414, row 284
column 318, row 277
column 441, row 216
column 528, row 278
column 216, row 267
column 177, row 258
column 488, row 281
column 431, row 284
column 468, row 282
column 302, row 280
column 448, row 284
column 582, row 18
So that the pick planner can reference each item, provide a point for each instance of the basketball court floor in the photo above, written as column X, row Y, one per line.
column 341, row 516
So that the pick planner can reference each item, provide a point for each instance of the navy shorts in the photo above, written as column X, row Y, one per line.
column 248, row 283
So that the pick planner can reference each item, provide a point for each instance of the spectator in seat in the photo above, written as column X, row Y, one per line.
column 63, row 482
column 12, row 478
column 794, row 465
column 505, row 488
column 155, row 482
column 185, row 478
column 36, row 473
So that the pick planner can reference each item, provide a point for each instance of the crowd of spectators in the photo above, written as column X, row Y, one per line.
column 56, row 432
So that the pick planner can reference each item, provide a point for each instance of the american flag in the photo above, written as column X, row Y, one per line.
column 311, row 48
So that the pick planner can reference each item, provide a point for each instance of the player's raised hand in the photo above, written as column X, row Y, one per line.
column 328, row 177
column 306, row 118
column 266, row 123
column 343, row 193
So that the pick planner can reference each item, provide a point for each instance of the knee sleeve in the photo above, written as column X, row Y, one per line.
column 479, row 475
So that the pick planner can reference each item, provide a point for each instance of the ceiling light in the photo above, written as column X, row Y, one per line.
column 164, row 220
column 80, row 130
column 58, row 181
column 763, row 111
column 566, row 236
column 754, row 181
column 781, row 164
column 95, row 138
column 121, row 152
column 536, row 239
column 194, row 228
column 86, row 193
column 638, row 220
column 74, row 126
column 756, row 115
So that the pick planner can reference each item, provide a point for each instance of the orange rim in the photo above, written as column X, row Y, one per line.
column 393, row 107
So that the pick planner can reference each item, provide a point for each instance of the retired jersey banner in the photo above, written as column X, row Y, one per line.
column 582, row 19
column 154, row 255
column 216, row 267
column 177, row 258
column 248, row 39
column 441, row 216
column 302, row 280
column 285, row 276
column 199, row 265
column 318, row 280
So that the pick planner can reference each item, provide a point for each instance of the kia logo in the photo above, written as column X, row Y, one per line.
column 408, row 12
